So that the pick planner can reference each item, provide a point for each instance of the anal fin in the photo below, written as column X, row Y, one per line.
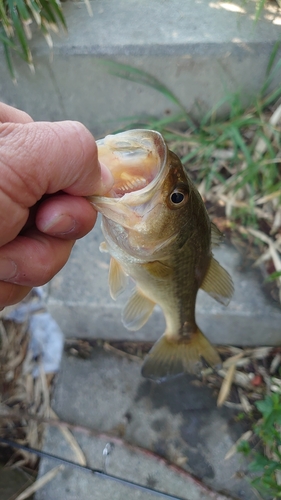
column 137, row 311
column 117, row 279
column 218, row 283
column 169, row 357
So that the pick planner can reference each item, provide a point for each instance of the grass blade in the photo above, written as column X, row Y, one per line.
column 26, row 54
column 7, row 44
column 48, row 12
column 273, row 73
column 238, row 139
column 23, row 11
column 211, row 115
column 259, row 8
column 58, row 11
column 273, row 57
column 136, row 75
column 272, row 97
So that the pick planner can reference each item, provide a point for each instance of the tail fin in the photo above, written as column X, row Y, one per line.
column 168, row 358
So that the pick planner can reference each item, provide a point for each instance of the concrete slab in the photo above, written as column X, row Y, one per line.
column 78, row 298
column 177, row 420
column 201, row 50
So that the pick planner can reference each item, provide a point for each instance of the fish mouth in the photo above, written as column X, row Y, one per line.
column 136, row 159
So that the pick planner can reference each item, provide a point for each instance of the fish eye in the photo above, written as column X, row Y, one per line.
column 177, row 197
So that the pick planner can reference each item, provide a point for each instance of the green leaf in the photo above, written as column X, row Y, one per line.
column 261, row 463
column 244, row 447
column 265, row 406
column 273, row 276
column 272, row 419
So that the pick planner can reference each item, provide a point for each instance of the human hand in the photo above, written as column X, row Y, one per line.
column 46, row 170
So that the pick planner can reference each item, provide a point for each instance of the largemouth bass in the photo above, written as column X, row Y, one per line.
column 158, row 232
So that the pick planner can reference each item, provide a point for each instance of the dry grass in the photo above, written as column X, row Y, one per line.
column 21, row 391
column 237, row 166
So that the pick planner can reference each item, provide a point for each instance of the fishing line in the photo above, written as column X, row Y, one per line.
column 96, row 472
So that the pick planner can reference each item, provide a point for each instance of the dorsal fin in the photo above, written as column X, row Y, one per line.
column 117, row 279
column 218, row 283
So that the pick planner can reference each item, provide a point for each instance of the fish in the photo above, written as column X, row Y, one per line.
column 158, row 232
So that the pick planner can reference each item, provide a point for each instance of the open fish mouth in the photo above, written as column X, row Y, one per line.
column 136, row 159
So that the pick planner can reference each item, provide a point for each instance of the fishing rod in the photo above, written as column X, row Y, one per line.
column 96, row 472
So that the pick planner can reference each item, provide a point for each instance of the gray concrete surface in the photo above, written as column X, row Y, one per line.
column 201, row 50
column 177, row 420
column 78, row 298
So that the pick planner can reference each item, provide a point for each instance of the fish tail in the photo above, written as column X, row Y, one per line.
column 169, row 357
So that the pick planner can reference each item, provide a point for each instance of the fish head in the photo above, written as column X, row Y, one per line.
column 152, row 197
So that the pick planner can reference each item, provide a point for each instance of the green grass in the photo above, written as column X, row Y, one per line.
column 236, row 160
column 204, row 145
column 16, row 17
column 265, row 450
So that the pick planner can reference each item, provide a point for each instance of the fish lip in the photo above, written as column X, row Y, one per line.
column 154, row 144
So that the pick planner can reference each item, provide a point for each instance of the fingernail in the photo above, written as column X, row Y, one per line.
column 107, row 180
column 62, row 224
column 8, row 269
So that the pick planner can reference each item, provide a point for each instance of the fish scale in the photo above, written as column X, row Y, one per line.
column 161, row 236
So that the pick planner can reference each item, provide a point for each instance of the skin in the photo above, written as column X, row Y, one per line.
column 46, row 170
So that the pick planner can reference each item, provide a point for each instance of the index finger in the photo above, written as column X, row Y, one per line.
column 10, row 114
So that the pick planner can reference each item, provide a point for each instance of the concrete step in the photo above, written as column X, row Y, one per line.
column 79, row 300
column 201, row 50
column 176, row 420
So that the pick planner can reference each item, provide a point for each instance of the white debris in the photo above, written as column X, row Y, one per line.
column 46, row 337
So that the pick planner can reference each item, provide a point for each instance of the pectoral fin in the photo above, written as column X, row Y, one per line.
column 218, row 283
column 137, row 311
column 158, row 269
column 117, row 279
column 216, row 236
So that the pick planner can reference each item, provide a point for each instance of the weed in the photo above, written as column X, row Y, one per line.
column 236, row 161
column 15, row 19
column 266, row 460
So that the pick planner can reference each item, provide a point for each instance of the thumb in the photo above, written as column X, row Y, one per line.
column 38, row 158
